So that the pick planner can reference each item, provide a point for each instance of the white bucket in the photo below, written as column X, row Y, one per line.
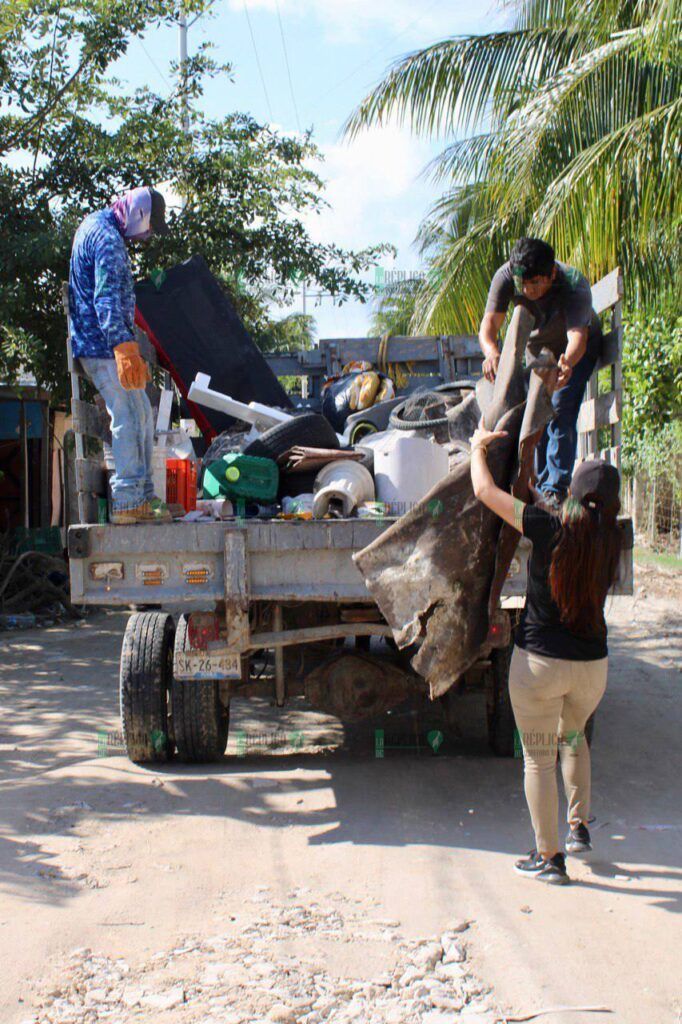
column 406, row 468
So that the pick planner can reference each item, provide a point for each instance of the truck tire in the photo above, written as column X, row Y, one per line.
column 200, row 720
column 145, row 683
column 501, row 724
column 311, row 430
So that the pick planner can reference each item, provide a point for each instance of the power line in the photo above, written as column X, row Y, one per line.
column 378, row 52
column 286, row 61
column 153, row 62
column 260, row 69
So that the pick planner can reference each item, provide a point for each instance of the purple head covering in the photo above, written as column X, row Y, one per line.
column 133, row 211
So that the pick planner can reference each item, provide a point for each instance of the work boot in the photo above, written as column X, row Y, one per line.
column 154, row 511
column 551, row 870
column 578, row 839
column 126, row 516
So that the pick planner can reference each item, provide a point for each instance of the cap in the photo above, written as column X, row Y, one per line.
column 596, row 479
column 158, row 215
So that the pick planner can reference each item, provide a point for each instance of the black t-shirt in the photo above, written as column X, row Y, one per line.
column 540, row 629
column 566, row 306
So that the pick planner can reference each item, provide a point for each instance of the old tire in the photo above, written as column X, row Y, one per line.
column 145, row 683
column 311, row 430
column 200, row 721
column 501, row 724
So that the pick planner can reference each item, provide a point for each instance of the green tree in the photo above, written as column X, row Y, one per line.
column 71, row 137
column 292, row 333
column 395, row 307
column 569, row 129
column 652, row 384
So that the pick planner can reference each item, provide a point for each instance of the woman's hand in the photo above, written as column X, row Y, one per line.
column 481, row 437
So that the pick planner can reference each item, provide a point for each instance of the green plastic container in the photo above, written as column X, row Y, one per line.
column 241, row 476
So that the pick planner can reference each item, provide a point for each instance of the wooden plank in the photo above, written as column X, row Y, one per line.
column 311, row 634
column 88, row 505
column 617, row 378
column 288, row 364
column 87, row 419
column 91, row 476
column 607, row 292
column 610, row 350
column 404, row 348
column 236, row 590
column 610, row 455
column 602, row 411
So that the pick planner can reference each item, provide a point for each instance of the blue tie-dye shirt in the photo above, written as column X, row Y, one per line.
column 101, row 295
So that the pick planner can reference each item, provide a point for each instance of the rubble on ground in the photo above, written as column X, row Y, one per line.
column 255, row 973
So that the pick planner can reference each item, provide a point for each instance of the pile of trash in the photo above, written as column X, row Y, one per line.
column 300, row 464
column 34, row 587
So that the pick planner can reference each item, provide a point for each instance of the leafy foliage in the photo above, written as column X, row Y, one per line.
column 652, row 378
column 71, row 137
column 395, row 308
column 572, row 132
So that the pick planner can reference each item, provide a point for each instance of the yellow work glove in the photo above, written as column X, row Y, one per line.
column 131, row 367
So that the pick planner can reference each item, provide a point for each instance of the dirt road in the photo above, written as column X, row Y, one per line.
column 318, row 882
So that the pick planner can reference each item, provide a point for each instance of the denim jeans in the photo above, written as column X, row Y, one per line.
column 556, row 452
column 132, row 434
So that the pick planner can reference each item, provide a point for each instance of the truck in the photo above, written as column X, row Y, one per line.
column 278, row 608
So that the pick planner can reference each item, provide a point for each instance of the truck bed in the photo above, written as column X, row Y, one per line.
column 184, row 563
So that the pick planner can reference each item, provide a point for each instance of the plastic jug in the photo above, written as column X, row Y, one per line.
column 343, row 484
column 405, row 469
column 241, row 476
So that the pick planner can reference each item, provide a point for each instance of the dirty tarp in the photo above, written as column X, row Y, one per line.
column 438, row 572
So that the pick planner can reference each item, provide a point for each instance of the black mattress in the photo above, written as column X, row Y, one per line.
column 195, row 329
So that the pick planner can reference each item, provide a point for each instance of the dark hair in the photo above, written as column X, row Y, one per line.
column 584, row 562
column 531, row 257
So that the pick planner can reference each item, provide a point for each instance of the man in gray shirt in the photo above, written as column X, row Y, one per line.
column 560, row 299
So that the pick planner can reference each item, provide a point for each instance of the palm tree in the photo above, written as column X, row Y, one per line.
column 569, row 129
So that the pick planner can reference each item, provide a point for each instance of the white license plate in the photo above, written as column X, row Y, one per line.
column 200, row 665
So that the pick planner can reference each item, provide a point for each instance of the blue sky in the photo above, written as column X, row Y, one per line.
column 337, row 49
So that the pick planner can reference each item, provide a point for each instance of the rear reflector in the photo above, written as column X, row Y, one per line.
column 106, row 571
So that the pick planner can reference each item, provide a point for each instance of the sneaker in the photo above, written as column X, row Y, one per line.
column 578, row 839
column 154, row 511
column 552, row 871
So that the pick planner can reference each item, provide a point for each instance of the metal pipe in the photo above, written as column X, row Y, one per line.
column 280, row 681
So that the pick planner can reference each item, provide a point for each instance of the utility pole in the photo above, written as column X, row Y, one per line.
column 182, row 54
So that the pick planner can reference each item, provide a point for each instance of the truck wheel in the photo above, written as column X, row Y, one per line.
column 501, row 725
column 200, row 720
column 145, row 682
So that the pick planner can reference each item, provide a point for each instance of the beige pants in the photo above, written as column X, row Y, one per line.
column 552, row 700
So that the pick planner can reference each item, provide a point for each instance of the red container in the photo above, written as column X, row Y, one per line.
column 181, row 483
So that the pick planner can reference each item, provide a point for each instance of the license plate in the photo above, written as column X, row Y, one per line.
column 200, row 665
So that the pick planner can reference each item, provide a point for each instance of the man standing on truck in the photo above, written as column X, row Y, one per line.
column 102, row 311
column 560, row 299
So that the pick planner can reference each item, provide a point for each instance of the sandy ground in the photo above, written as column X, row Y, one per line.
column 313, row 873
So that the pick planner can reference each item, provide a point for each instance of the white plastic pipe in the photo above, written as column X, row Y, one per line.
column 262, row 417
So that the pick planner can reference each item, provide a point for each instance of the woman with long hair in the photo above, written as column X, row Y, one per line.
column 559, row 663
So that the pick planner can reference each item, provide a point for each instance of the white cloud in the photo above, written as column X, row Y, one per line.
column 348, row 20
column 374, row 195
column 372, row 188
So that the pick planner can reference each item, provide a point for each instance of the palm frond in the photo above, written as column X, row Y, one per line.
column 461, row 80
